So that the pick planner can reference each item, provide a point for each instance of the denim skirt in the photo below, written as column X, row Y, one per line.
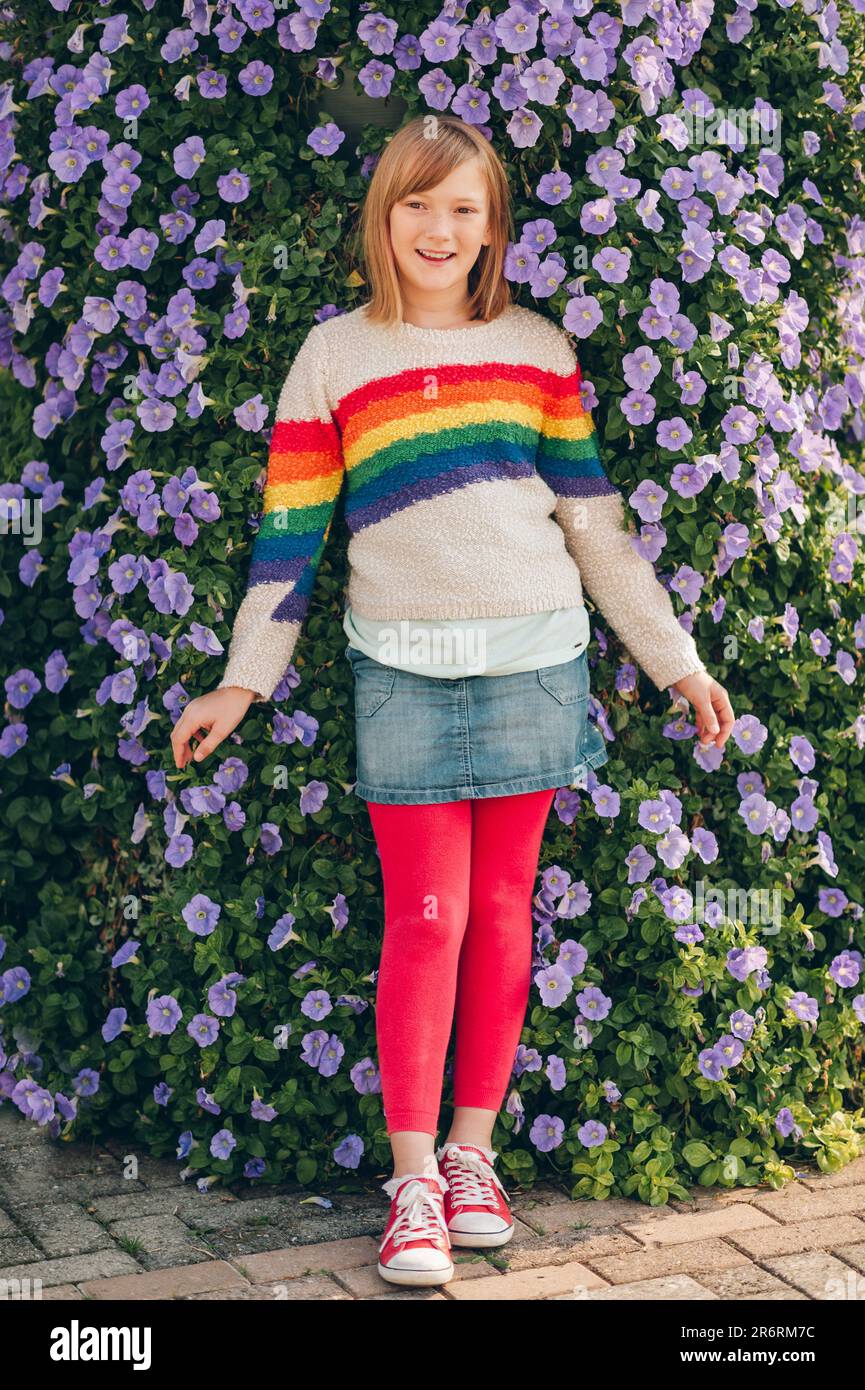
column 424, row 738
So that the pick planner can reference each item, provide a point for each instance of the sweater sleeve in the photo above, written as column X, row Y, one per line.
column 304, row 475
column 590, row 511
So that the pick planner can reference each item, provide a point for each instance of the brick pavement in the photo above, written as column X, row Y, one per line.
column 84, row 1222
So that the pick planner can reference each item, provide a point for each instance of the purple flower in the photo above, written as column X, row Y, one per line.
column 326, row 139
column 786, row 1125
column 376, row 78
column 312, row 797
column 606, row 801
column 547, row 1132
column 755, row 812
column 655, row 815
column 203, row 1029
column 803, row 1006
column 582, row 315
column 516, row 29
column 221, row 997
column 730, row 1049
column 742, row 961
column 365, row 1077
column 316, row 1004
column 113, row 1025
column 261, row 1111
column 592, row 1133
column 846, row 968
column 741, row 1024
column 201, row 914
column 256, row 78
column 125, row 953
column 749, row 733
column 593, row 1003
column 86, row 1083
column 163, row 1014
column 14, row 984
column 222, row 1143
column 378, row 33
column 233, row 187
column 554, row 984
column 572, row 958
column 673, row 434
column 832, row 901
column 440, row 41
column 21, row 686
column 349, row 1151
column 711, row 1064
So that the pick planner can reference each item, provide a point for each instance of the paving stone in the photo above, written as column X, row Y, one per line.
column 669, row 1230
column 7, row 1226
column 546, row 1282
column 21, row 1289
column 526, row 1250
column 153, row 1172
column 162, row 1242
column 748, row 1281
column 713, row 1198
column 235, row 1229
column 16, row 1129
column 819, row 1275
column 292, row 1264
column 804, row 1235
column 38, row 1174
column 366, row 1282
column 571, row 1217
column 167, row 1283
column 684, row 1257
column 101, row 1264
column 427, row 1295
column 845, row 1177
column 673, row 1287
column 317, row 1288
column 801, row 1204
column 63, row 1293
column 543, row 1194
column 16, row 1250
column 64, row 1228
column 186, row 1204
column 853, row 1254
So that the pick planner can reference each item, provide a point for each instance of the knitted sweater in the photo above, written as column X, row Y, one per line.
column 474, row 488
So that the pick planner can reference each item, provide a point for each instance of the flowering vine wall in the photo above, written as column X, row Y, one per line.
column 190, row 957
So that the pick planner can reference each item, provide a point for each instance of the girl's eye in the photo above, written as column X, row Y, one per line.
column 416, row 203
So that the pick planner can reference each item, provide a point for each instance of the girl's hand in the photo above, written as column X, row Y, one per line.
column 711, row 706
column 209, row 718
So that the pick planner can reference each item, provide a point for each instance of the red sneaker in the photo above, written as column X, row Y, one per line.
column 415, row 1248
column 476, row 1204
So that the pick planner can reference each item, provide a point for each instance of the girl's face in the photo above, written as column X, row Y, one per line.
column 452, row 217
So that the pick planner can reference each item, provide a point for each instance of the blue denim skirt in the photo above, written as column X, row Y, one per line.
column 424, row 738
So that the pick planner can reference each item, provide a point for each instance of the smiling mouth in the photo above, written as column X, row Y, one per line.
column 435, row 257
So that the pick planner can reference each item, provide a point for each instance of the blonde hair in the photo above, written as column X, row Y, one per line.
column 412, row 161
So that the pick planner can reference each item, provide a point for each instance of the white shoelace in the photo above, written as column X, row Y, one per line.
column 421, row 1216
column 469, row 1177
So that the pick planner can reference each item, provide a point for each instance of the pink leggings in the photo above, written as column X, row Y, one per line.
column 458, row 936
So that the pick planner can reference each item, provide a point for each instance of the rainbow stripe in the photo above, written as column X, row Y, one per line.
column 411, row 436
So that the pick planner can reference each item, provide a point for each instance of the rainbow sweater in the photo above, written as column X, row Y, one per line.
column 473, row 488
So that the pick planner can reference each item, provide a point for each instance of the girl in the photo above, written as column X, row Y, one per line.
column 479, row 512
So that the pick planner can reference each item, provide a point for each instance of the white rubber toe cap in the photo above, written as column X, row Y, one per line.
column 419, row 1258
column 478, row 1223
